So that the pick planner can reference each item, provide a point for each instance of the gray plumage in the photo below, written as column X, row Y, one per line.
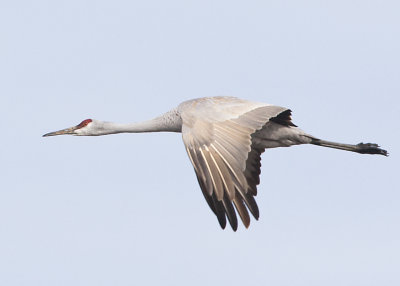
column 224, row 138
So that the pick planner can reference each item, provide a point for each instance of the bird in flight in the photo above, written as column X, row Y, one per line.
column 224, row 138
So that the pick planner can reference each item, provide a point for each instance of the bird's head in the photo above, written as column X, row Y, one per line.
column 83, row 128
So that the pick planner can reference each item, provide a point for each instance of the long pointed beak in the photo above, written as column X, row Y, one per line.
column 66, row 131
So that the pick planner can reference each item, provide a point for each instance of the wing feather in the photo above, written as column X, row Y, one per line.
column 220, row 211
column 219, row 142
column 229, row 160
column 223, row 172
column 230, row 212
column 212, row 169
column 242, row 210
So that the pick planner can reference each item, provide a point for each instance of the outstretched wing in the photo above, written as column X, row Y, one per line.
column 227, row 163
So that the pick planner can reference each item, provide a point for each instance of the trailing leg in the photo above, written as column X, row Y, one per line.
column 362, row 148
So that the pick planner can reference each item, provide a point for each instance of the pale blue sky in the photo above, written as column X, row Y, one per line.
column 127, row 209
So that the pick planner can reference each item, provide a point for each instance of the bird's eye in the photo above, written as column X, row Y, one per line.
column 84, row 123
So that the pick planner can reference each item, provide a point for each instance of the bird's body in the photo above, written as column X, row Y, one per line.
column 224, row 138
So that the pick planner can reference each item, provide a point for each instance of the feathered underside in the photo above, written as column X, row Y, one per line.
column 226, row 155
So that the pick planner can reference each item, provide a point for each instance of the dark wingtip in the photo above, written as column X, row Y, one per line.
column 222, row 224
column 284, row 118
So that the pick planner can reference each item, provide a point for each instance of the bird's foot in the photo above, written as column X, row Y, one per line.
column 371, row 148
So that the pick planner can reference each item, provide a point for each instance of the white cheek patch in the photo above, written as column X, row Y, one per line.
column 93, row 128
column 78, row 132
column 84, row 130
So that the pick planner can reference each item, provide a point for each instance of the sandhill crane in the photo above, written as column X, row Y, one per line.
column 224, row 139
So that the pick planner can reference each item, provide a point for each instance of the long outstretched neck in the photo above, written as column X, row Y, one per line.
column 362, row 148
column 169, row 122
